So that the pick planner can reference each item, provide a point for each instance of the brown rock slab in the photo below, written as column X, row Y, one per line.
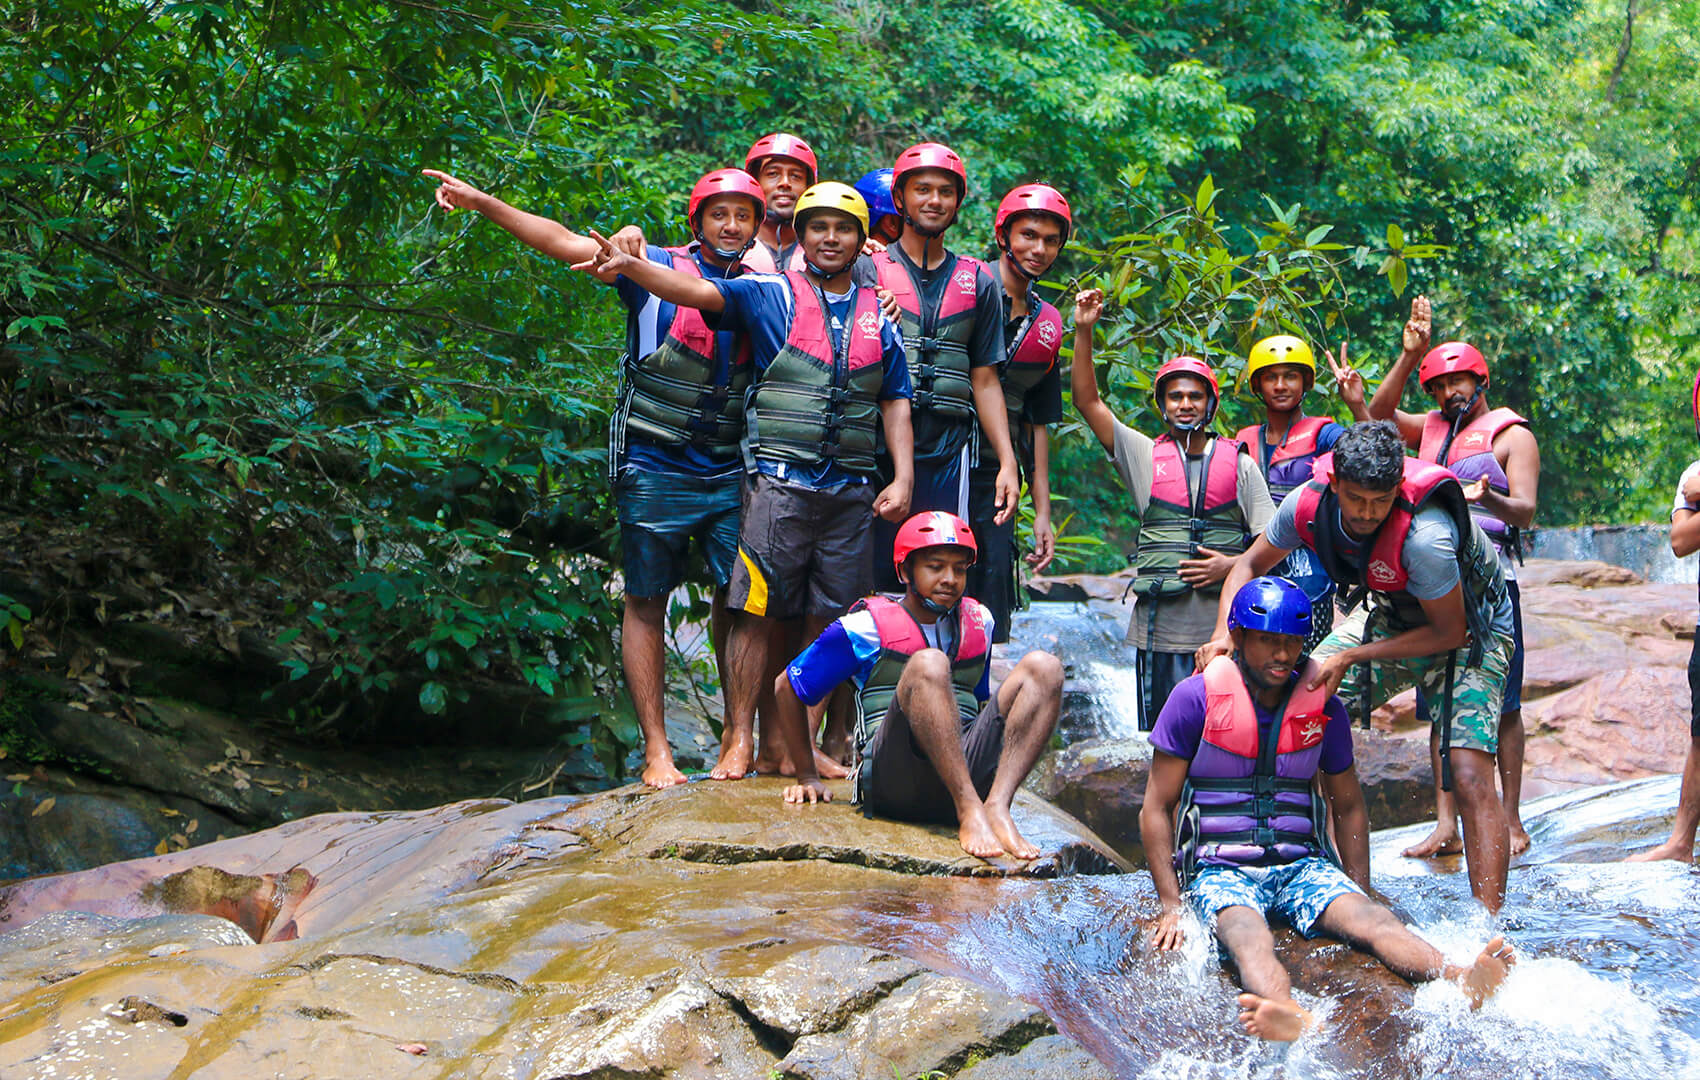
column 746, row 822
column 817, row 989
column 1618, row 726
column 932, row 1022
column 1079, row 588
column 1586, row 573
column 1049, row 1057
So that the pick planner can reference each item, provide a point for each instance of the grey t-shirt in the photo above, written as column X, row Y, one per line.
column 1429, row 557
column 1184, row 622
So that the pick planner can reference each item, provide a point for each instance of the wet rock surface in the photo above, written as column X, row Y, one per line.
column 580, row 937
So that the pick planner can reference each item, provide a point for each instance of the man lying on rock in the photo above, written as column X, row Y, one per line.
column 932, row 743
column 1232, row 816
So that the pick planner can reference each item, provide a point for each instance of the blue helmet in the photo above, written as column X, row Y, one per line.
column 875, row 189
column 1271, row 604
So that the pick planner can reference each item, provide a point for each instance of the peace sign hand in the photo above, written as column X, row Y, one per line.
column 1419, row 327
column 1347, row 378
column 608, row 263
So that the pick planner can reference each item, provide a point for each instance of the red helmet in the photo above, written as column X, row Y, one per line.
column 1033, row 199
column 781, row 144
column 724, row 182
column 929, row 155
column 1187, row 365
column 1450, row 357
column 932, row 528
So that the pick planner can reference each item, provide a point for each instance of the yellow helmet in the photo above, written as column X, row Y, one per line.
column 1280, row 349
column 830, row 195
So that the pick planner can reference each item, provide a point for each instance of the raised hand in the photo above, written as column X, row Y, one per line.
column 1419, row 327
column 454, row 193
column 1347, row 378
column 608, row 263
column 1088, row 305
column 629, row 240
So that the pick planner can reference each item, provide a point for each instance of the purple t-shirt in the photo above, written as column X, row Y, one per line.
column 1180, row 726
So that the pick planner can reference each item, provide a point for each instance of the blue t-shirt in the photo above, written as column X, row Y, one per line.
column 760, row 305
column 848, row 649
column 648, row 319
column 1180, row 726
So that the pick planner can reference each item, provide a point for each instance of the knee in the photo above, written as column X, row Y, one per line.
column 1043, row 670
column 926, row 666
column 650, row 610
column 1473, row 772
column 1243, row 928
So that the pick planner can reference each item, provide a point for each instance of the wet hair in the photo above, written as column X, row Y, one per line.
column 1371, row 454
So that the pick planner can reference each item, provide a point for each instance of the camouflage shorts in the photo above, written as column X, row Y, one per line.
column 1476, row 691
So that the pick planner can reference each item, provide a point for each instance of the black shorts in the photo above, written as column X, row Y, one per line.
column 896, row 780
column 1694, row 689
column 801, row 551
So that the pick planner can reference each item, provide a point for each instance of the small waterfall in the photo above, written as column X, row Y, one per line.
column 1644, row 549
column 1101, row 697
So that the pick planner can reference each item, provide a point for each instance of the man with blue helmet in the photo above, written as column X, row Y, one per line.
column 1232, row 816
column 885, row 223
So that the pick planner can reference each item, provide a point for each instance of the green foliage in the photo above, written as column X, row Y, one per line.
column 13, row 618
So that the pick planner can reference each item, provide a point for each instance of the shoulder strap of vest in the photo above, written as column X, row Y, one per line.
column 971, row 639
column 898, row 630
column 1227, row 708
column 1250, row 437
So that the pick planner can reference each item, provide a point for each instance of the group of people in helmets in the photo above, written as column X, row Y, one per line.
column 838, row 412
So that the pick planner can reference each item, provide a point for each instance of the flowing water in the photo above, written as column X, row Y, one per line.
column 1606, row 986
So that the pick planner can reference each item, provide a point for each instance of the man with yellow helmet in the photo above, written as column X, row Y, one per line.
column 1280, row 370
column 831, row 381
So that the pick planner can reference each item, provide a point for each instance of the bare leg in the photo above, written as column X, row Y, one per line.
column 774, row 757
column 643, row 652
column 840, row 714
column 1680, row 846
column 1511, row 739
column 1444, row 839
column 719, row 629
column 1267, row 1008
column 784, row 643
column 925, row 695
column 746, row 652
column 1486, row 838
column 1029, row 699
column 1366, row 925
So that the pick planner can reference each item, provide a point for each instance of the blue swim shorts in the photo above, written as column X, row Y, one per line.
column 1297, row 892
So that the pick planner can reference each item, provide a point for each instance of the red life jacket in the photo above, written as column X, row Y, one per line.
column 1030, row 357
column 1290, row 462
column 1248, row 802
column 1470, row 456
column 671, row 397
column 814, row 402
column 1178, row 520
column 760, row 259
column 936, row 340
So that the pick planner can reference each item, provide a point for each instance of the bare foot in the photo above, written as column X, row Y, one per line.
column 836, row 746
column 1483, row 977
column 1277, row 1021
column 1519, row 839
column 1670, row 849
column 736, row 757
column 1442, row 841
column 977, row 837
column 1003, row 827
column 773, row 763
column 662, row 773
column 828, row 767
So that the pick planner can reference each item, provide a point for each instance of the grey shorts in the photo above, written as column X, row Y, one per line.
column 897, row 781
column 802, row 551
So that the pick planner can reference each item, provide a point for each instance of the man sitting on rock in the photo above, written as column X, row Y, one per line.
column 932, row 743
column 1232, row 815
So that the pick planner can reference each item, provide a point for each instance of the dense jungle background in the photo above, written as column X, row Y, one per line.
column 255, row 389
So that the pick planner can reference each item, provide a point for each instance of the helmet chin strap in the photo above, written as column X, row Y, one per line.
column 729, row 254
column 1009, row 256
column 935, row 607
column 1458, row 421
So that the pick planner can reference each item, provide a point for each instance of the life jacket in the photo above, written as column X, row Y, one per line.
column 1249, row 801
column 936, row 340
column 1290, row 462
column 1031, row 356
column 1383, row 576
column 671, row 397
column 815, row 402
column 901, row 637
column 760, row 259
column 1469, row 454
column 1178, row 521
